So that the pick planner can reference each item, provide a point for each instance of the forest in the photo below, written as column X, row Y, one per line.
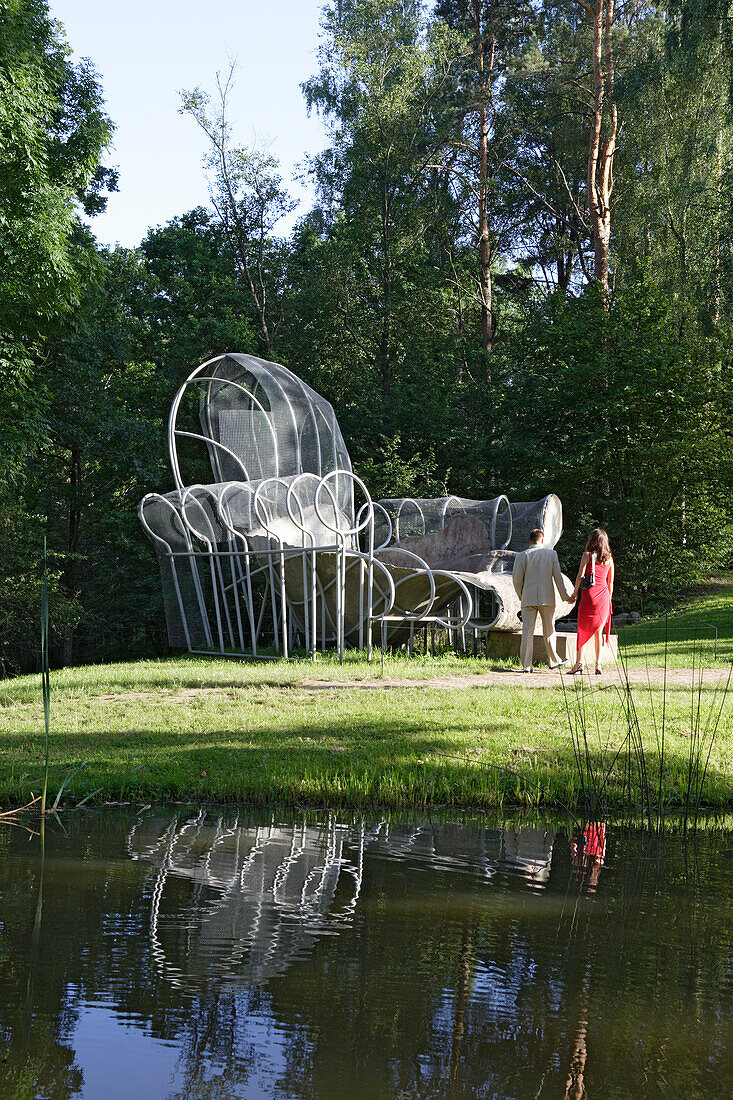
column 517, row 277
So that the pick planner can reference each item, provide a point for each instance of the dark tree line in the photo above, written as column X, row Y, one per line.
column 516, row 278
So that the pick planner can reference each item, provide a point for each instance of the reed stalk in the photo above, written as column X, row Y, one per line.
column 45, row 677
column 645, row 759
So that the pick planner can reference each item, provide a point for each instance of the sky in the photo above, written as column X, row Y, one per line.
column 146, row 51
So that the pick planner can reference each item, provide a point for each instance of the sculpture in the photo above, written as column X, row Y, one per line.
column 285, row 545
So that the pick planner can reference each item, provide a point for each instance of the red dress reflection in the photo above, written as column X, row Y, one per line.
column 588, row 849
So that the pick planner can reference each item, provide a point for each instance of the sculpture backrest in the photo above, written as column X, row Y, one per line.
column 258, row 420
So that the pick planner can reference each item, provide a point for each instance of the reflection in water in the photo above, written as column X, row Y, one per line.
column 588, row 850
column 221, row 955
column 528, row 850
column 263, row 894
column 260, row 895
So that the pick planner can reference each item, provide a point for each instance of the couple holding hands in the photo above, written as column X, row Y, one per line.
column 536, row 574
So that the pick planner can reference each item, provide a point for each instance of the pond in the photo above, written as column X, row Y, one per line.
column 203, row 953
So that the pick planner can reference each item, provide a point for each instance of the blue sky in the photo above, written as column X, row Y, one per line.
column 147, row 50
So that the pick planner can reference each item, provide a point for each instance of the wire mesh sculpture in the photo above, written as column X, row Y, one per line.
column 284, row 549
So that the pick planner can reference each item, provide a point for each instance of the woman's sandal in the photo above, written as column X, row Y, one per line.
column 575, row 671
column 599, row 672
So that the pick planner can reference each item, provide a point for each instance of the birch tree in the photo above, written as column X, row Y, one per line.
column 602, row 17
column 247, row 194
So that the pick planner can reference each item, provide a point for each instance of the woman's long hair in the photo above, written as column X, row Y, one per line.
column 598, row 544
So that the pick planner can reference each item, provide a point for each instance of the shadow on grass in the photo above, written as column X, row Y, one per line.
column 362, row 765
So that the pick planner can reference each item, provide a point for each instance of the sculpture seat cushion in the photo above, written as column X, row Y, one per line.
column 283, row 531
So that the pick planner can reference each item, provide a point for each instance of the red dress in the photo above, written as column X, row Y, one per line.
column 594, row 610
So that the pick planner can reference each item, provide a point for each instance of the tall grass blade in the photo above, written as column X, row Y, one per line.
column 660, row 795
column 45, row 676
column 65, row 783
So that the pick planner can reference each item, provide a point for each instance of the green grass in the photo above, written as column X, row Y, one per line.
column 201, row 729
column 689, row 630
column 148, row 731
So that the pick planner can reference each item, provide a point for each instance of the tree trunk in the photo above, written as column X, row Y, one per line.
column 72, row 544
column 465, row 965
column 719, row 178
column 564, row 258
column 485, row 66
column 603, row 134
column 385, row 333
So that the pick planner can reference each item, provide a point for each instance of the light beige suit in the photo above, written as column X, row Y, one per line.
column 535, row 575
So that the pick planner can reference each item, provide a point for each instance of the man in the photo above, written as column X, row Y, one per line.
column 535, row 574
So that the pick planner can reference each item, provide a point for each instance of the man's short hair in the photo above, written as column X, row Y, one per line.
column 536, row 536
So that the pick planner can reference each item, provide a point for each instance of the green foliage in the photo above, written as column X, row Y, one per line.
column 21, row 588
column 388, row 474
column 190, row 304
column 52, row 131
column 249, row 199
column 626, row 413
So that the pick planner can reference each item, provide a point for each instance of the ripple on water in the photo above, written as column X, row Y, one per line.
column 227, row 955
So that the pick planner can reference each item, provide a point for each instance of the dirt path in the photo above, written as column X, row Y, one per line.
column 540, row 678
column 677, row 678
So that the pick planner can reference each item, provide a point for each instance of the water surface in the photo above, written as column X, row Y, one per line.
column 217, row 955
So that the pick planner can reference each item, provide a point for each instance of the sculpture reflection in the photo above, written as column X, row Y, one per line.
column 260, row 896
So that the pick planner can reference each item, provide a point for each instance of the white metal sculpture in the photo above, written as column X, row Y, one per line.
column 285, row 550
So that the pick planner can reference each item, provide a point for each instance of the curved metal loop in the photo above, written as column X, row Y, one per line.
column 189, row 493
column 160, row 499
column 259, row 504
column 423, row 567
column 494, row 519
column 222, row 512
column 398, row 514
column 299, row 521
column 194, row 379
column 357, row 526
column 385, row 544
column 390, row 583
column 456, row 624
column 460, row 511
column 365, row 557
column 422, row 564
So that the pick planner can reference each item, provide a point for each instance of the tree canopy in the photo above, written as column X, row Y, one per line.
column 515, row 278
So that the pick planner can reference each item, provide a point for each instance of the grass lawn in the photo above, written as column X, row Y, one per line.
column 688, row 632
column 266, row 732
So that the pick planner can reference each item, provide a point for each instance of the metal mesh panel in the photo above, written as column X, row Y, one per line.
column 545, row 514
column 410, row 517
column 261, row 421
column 180, row 598
column 507, row 524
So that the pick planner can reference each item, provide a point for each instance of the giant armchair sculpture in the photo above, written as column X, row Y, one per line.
column 285, row 548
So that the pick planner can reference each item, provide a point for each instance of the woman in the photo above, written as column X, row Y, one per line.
column 594, row 611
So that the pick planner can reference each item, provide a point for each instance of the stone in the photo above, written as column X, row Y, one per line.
column 507, row 643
